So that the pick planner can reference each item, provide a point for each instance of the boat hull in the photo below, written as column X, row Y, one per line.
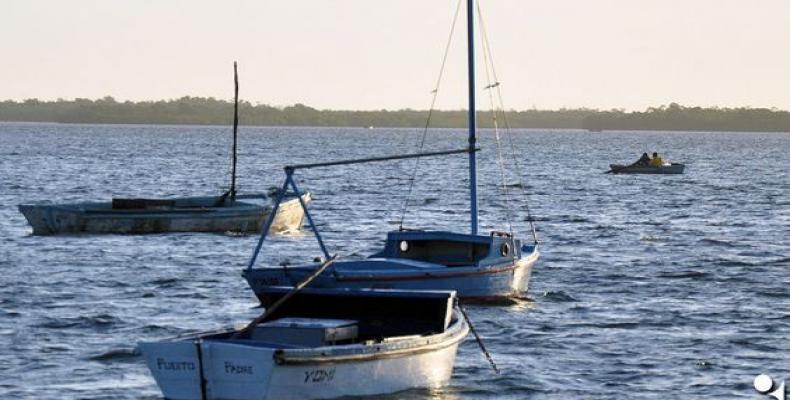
column 470, row 283
column 99, row 218
column 672, row 169
column 232, row 370
column 428, row 369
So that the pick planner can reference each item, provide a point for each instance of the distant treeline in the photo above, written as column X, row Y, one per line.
column 210, row 111
column 677, row 117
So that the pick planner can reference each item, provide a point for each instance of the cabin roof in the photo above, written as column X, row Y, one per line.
column 437, row 235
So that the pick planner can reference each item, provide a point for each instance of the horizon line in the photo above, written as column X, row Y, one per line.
column 284, row 106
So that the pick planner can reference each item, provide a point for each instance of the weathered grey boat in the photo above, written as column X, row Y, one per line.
column 186, row 214
column 674, row 168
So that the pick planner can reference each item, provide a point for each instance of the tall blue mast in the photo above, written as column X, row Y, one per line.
column 470, row 23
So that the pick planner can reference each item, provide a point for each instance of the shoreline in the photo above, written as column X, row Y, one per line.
column 195, row 111
column 579, row 130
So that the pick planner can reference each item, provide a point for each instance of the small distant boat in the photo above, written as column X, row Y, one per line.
column 673, row 168
column 185, row 214
column 319, row 344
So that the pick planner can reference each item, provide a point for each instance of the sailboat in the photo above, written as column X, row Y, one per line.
column 479, row 266
column 183, row 214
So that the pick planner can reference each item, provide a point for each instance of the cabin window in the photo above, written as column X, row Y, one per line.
column 446, row 252
column 504, row 249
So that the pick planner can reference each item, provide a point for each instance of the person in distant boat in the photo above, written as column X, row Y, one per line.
column 656, row 161
column 644, row 160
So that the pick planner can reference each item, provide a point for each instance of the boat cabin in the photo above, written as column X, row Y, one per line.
column 354, row 315
column 451, row 249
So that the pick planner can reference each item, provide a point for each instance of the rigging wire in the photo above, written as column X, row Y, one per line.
column 496, row 108
column 500, row 161
column 435, row 93
column 508, row 130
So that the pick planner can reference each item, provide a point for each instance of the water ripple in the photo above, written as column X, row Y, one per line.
column 649, row 287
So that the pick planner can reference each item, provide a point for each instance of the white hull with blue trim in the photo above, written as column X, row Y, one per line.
column 472, row 265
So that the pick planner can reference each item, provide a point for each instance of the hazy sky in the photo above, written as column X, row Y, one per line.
column 372, row 54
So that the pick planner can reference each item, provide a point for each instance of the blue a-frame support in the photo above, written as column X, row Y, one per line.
column 289, row 181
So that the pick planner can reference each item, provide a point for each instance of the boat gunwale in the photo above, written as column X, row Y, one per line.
column 241, row 209
column 451, row 272
column 375, row 351
column 671, row 169
column 454, row 334
column 85, row 207
column 439, row 273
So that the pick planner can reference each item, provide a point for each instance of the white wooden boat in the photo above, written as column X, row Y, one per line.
column 321, row 343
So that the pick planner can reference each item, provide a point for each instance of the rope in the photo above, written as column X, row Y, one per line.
column 497, row 85
column 479, row 340
column 435, row 93
column 269, row 310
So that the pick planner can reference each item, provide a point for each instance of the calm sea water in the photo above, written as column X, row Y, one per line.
column 649, row 286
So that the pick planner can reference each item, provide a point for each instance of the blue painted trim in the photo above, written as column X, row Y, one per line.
column 470, row 22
